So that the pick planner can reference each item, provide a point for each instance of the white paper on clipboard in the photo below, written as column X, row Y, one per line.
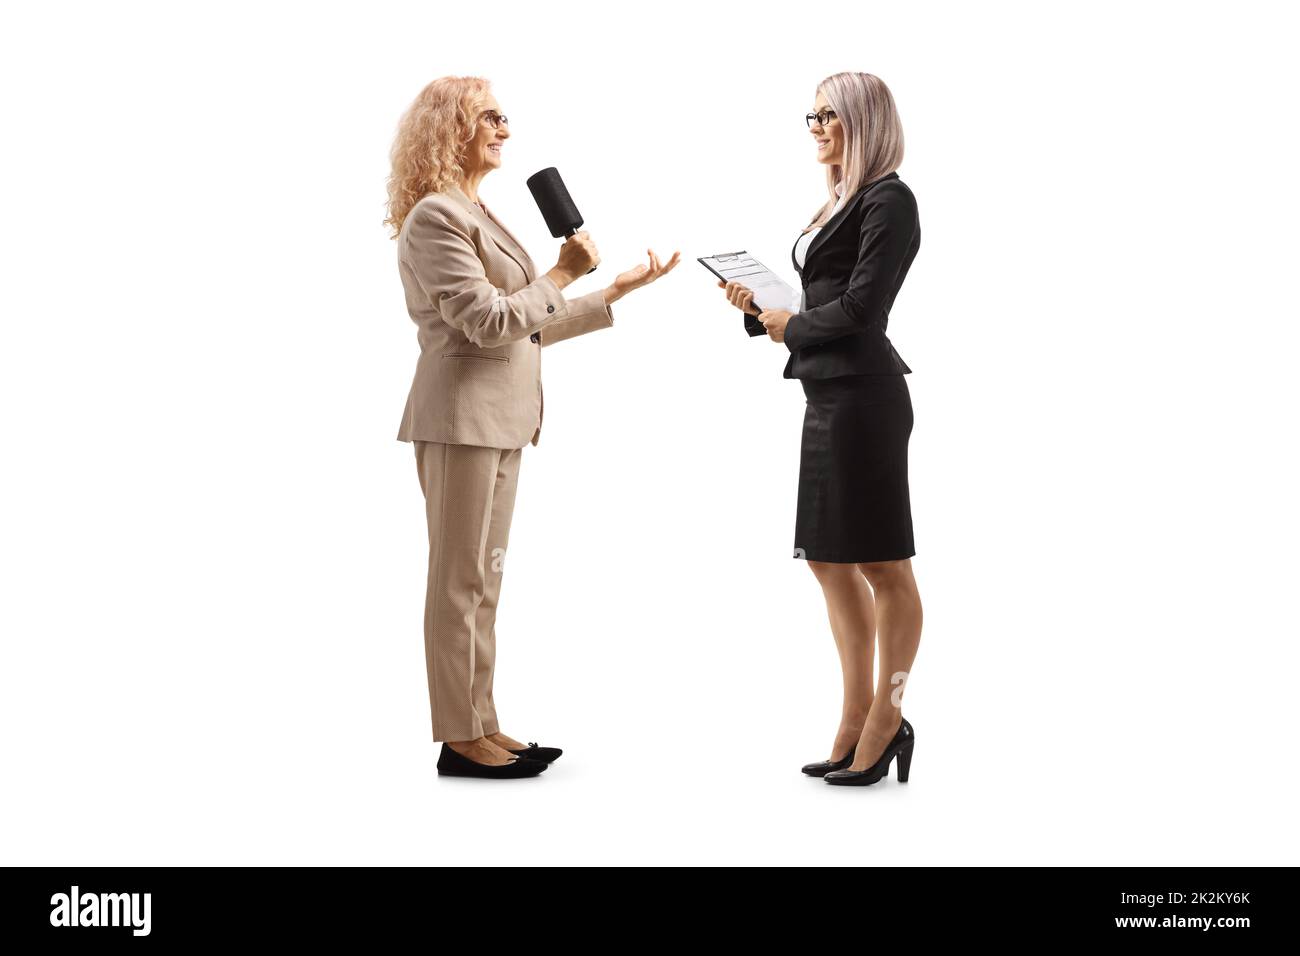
column 770, row 290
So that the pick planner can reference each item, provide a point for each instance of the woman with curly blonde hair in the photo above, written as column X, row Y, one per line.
column 482, row 314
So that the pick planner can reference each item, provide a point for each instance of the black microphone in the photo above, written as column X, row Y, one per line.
column 553, row 199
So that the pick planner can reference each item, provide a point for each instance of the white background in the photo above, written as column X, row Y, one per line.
column 214, row 548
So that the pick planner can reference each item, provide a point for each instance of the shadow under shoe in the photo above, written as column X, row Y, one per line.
column 900, row 747
column 452, row 764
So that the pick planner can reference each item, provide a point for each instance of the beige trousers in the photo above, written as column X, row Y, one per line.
column 469, row 496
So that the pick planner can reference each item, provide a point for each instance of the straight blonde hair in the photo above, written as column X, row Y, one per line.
column 873, row 135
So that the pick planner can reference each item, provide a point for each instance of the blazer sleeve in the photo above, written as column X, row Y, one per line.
column 442, row 257
column 888, row 226
column 585, row 314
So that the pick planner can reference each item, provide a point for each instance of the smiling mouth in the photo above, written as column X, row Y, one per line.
column 495, row 147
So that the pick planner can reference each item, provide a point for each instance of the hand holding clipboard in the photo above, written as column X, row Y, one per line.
column 753, row 286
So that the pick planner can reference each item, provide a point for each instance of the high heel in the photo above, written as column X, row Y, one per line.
column 905, row 762
column 901, row 747
column 822, row 767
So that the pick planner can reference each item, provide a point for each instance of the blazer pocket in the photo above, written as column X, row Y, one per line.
column 474, row 355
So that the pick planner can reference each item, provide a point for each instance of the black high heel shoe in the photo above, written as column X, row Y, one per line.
column 900, row 747
column 452, row 764
column 822, row 767
column 534, row 752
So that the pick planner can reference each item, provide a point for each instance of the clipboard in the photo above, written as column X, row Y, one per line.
column 770, row 290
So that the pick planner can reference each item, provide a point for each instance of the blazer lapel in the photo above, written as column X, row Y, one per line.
column 836, row 220
column 500, row 235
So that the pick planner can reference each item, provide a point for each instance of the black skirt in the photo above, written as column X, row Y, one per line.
column 854, row 504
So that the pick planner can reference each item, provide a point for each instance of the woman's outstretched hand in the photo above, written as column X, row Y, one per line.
column 641, row 275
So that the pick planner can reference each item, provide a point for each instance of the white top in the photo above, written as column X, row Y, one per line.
column 801, row 247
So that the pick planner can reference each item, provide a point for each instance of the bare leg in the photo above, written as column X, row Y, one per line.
column 898, row 606
column 505, row 742
column 852, row 613
column 482, row 750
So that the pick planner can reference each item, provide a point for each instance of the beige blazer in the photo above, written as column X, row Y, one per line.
column 483, row 315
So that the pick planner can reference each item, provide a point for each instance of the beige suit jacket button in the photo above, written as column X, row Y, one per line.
column 550, row 308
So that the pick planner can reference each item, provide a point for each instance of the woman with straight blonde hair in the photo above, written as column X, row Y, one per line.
column 853, row 522
column 482, row 315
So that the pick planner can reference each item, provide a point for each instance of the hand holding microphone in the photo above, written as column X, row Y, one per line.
column 563, row 219
column 578, row 255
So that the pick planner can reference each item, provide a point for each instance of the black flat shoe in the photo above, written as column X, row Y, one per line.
column 452, row 764
column 900, row 747
column 822, row 767
column 534, row 752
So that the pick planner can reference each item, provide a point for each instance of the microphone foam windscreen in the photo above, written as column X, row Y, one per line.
column 561, row 215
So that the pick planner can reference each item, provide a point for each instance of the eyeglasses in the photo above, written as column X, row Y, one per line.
column 819, row 119
column 493, row 119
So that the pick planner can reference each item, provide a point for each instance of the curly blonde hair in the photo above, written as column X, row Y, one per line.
column 433, row 135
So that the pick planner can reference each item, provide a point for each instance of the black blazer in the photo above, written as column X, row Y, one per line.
column 851, row 274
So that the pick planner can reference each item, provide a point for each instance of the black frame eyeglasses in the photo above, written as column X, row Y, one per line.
column 493, row 119
column 820, row 119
